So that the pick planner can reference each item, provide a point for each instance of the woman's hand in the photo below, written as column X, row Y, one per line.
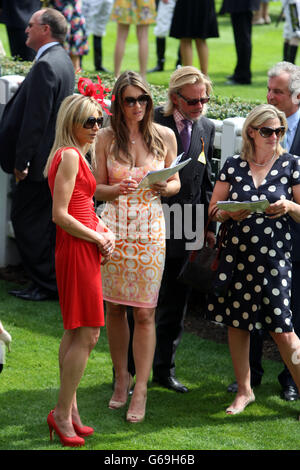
column 106, row 244
column 278, row 208
column 238, row 215
column 126, row 186
column 160, row 188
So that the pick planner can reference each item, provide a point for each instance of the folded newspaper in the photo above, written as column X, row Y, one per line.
column 153, row 177
column 234, row 206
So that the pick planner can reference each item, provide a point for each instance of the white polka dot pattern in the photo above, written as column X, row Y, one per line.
column 255, row 265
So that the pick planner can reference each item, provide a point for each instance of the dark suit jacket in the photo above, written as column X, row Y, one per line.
column 17, row 13
column 295, row 150
column 195, row 177
column 27, row 128
column 237, row 6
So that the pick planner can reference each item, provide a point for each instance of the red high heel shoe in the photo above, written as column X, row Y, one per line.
column 83, row 431
column 75, row 441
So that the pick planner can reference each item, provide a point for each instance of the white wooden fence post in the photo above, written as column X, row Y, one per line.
column 231, row 137
column 8, row 250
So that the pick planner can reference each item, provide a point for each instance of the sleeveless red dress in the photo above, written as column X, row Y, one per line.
column 77, row 261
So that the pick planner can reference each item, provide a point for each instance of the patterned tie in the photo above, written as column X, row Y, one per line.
column 185, row 135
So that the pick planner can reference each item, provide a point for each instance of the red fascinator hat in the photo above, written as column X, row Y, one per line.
column 87, row 88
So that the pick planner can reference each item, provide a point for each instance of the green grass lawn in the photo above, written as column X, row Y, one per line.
column 193, row 421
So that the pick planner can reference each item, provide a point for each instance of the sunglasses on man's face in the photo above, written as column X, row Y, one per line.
column 131, row 101
column 268, row 131
column 91, row 121
column 195, row 101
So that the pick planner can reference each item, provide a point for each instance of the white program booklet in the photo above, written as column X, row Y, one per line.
column 234, row 206
column 153, row 177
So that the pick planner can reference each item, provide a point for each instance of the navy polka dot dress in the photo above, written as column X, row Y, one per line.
column 255, row 267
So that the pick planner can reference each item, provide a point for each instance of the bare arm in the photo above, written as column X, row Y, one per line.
column 221, row 193
column 284, row 206
column 63, row 189
column 172, row 185
column 104, row 191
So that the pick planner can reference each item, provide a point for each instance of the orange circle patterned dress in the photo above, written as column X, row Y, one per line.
column 133, row 275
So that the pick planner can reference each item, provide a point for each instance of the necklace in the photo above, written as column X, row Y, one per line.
column 264, row 164
column 133, row 141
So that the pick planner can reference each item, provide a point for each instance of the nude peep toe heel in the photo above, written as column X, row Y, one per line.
column 116, row 405
column 234, row 411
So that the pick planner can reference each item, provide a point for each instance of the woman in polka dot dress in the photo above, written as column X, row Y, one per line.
column 255, row 266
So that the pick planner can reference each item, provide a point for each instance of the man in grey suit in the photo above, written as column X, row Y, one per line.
column 284, row 93
column 188, row 92
column 27, row 132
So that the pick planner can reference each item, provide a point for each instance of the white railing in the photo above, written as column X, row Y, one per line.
column 228, row 139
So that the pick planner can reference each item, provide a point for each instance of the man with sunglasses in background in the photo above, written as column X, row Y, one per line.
column 188, row 95
column 26, row 136
column 284, row 94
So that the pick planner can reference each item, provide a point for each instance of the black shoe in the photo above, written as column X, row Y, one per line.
column 234, row 81
column 171, row 382
column 102, row 69
column 158, row 68
column 289, row 393
column 233, row 388
column 37, row 294
column 17, row 292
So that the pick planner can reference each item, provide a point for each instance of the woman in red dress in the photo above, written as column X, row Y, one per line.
column 81, row 239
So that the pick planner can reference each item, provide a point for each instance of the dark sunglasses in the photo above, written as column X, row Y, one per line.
column 91, row 121
column 194, row 102
column 131, row 101
column 268, row 131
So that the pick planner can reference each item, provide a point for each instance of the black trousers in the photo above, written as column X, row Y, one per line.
column 170, row 315
column 17, row 39
column 31, row 216
column 257, row 337
column 242, row 31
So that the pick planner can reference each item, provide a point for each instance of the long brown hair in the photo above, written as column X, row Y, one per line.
column 151, row 136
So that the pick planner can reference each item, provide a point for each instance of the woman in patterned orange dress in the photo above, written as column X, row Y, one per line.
column 126, row 151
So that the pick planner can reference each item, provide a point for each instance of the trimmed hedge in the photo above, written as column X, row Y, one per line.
column 219, row 107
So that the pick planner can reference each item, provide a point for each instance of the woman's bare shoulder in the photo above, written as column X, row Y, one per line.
column 164, row 131
column 70, row 154
column 104, row 137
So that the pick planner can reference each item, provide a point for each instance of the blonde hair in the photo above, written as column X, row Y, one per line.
column 74, row 110
column 187, row 75
column 258, row 116
column 151, row 136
